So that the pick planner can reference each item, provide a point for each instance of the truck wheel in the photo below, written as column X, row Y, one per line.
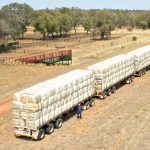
column 132, row 78
column 50, row 128
column 113, row 89
column 41, row 134
column 87, row 105
column 101, row 97
column 92, row 103
column 58, row 123
column 104, row 95
column 109, row 92
column 128, row 81
column 140, row 74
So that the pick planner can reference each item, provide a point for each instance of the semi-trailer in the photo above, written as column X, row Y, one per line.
column 40, row 108
column 109, row 74
column 141, row 60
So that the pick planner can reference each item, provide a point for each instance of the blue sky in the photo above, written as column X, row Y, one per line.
column 85, row 4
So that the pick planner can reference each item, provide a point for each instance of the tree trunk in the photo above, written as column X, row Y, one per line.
column 14, row 38
column 52, row 35
column 22, row 35
column 48, row 35
column 102, row 35
column 60, row 34
column 44, row 35
column 75, row 30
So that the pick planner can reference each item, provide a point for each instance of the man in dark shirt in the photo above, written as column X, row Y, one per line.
column 79, row 111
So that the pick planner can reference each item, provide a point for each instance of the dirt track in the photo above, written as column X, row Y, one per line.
column 120, row 122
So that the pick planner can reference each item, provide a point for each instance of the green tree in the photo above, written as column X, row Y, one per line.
column 41, row 24
column 104, row 25
column 76, row 15
column 143, row 24
column 65, row 24
column 4, row 29
column 105, row 31
column 18, row 17
column 87, row 23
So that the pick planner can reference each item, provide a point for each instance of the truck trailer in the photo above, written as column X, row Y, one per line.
column 141, row 60
column 40, row 108
column 109, row 74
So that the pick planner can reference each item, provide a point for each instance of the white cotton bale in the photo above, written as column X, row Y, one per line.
column 81, row 97
column 44, row 111
column 16, row 97
column 63, row 94
column 34, row 116
column 52, row 114
column 19, row 122
column 45, row 103
column 50, row 100
column 24, row 115
column 45, row 118
column 36, row 123
column 16, row 113
column 18, row 105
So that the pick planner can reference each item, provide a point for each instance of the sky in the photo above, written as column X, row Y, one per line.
column 84, row 4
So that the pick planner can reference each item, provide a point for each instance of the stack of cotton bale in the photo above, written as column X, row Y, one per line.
column 37, row 105
column 111, row 71
column 141, row 58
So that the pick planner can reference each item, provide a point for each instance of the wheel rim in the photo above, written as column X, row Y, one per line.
column 60, row 123
column 114, row 89
column 42, row 135
column 87, row 107
column 92, row 104
column 51, row 129
column 101, row 97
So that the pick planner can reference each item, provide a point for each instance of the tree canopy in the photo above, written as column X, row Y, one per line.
column 15, row 17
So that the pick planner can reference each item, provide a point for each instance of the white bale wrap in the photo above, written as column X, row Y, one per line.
column 37, row 105
column 141, row 58
column 111, row 71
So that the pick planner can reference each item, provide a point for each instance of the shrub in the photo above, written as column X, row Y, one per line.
column 130, row 29
column 134, row 38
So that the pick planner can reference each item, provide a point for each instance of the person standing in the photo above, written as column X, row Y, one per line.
column 79, row 111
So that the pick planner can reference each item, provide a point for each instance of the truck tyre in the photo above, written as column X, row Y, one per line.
column 109, row 92
column 41, row 134
column 128, row 81
column 132, row 78
column 104, row 95
column 58, row 123
column 101, row 97
column 140, row 74
column 87, row 105
column 49, row 128
column 92, row 103
column 113, row 89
